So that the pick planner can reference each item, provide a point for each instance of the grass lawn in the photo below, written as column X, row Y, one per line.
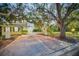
column 69, row 34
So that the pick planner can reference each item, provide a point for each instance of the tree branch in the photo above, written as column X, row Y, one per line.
column 51, row 14
column 48, row 12
column 58, row 7
column 70, row 9
column 4, row 14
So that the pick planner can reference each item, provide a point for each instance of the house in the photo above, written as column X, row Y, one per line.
column 30, row 27
column 6, row 30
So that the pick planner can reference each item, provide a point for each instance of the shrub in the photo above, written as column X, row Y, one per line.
column 24, row 32
column 37, row 30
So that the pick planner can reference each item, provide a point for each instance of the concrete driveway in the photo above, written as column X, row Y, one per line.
column 36, row 45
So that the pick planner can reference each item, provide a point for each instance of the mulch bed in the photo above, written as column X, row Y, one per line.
column 4, row 43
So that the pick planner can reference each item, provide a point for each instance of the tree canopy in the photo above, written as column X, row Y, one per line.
column 41, row 13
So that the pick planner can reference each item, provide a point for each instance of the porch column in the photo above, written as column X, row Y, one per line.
column 7, row 33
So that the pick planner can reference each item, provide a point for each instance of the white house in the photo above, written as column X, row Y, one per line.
column 30, row 27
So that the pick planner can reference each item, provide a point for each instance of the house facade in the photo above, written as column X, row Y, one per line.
column 6, row 30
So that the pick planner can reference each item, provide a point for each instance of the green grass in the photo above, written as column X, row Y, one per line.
column 75, row 35
column 54, row 34
column 69, row 34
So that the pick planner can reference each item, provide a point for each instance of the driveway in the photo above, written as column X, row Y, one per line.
column 36, row 45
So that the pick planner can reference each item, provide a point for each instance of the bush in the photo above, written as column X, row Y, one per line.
column 24, row 32
column 37, row 30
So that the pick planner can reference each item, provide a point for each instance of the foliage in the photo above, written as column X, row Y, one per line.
column 74, row 25
column 37, row 30
column 63, row 12
column 42, row 15
column 51, row 29
column 24, row 32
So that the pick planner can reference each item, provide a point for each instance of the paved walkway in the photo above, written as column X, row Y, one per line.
column 35, row 45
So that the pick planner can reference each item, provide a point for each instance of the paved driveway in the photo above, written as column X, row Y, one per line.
column 34, row 45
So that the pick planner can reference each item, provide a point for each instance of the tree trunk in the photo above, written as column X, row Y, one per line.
column 62, row 32
column 60, row 21
column 62, row 29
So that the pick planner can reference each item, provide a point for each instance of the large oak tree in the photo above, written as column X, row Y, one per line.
column 59, row 12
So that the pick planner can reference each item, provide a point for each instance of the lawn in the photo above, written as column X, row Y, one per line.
column 69, row 34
